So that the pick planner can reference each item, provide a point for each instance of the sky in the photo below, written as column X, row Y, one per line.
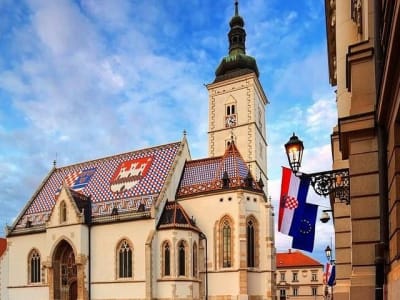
column 80, row 80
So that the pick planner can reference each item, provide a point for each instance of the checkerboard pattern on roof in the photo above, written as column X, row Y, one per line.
column 99, row 185
column 205, row 175
column 201, row 171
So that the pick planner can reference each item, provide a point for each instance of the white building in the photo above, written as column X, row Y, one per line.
column 153, row 223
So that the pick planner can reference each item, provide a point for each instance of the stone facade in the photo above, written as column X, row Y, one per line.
column 363, row 37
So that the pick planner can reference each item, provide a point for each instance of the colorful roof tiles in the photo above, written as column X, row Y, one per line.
column 207, row 175
column 124, row 181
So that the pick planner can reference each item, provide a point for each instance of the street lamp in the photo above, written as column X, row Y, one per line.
column 336, row 182
column 328, row 253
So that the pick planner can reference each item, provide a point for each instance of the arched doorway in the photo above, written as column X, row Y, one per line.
column 65, row 272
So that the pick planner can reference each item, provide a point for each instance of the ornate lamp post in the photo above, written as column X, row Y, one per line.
column 335, row 182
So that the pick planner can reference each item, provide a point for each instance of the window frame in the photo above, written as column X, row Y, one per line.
column 181, row 261
column 125, row 266
column 166, row 259
column 34, row 267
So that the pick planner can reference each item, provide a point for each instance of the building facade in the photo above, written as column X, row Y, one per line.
column 153, row 223
column 298, row 276
column 363, row 44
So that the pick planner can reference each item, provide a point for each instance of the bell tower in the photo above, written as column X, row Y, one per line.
column 237, row 104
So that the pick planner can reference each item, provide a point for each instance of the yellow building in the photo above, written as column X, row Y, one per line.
column 363, row 51
column 298, row 276
column 153, row 223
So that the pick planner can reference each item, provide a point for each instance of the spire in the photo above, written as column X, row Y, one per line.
column 237, row 62
column 237, row 34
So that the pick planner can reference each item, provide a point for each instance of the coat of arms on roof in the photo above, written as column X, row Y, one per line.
column 129, row 173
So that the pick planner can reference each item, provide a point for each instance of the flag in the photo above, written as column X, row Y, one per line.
column 293, row 195
column 296, row 217
column 332, row 275
column 304, row 234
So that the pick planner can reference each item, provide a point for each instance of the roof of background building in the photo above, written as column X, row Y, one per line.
column 3, row 246
column 124, row 181
column 206, row 175
column 295, row 259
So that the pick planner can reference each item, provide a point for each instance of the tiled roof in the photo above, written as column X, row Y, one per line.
column 175, row 217
column 206, row 175
column 295, row 259
column 3, row 246
column 124, row 181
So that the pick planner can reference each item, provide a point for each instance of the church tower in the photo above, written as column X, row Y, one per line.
column 237, row 104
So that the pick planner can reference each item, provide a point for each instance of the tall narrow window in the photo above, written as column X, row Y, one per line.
column 34, row 267
column 194, row 260
column 226, row 245
column 250, row 244
column 125, row 260
column 63, row 212
column 181, row 260
column 167, row 259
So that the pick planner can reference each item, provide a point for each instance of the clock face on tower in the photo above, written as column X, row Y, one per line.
column 230, row 121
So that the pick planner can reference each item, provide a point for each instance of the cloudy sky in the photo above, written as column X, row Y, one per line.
column 84, row 79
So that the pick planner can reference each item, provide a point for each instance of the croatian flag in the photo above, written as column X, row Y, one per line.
column 296, row 217
column 293, row 197
column 330, row 274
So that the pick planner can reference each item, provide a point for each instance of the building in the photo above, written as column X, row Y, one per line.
column 153, row 223
column 3, row 268
column 363, row 45
column 298, row 276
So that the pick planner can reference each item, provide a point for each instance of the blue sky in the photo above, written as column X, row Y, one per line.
column 84, row 79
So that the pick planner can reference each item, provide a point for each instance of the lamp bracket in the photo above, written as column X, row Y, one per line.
column 336, row 182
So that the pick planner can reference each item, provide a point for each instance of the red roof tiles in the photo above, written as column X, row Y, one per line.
column 295, row 259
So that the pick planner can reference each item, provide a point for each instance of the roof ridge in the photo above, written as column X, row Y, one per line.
column 115, row 155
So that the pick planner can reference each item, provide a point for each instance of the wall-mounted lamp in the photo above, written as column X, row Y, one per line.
column 336, row 182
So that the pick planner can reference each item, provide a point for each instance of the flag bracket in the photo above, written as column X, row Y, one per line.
column 335, row 182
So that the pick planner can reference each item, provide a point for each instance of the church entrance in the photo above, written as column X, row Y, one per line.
column 65, row 272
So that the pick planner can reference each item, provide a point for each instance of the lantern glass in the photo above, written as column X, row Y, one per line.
column 294, row 151
column 328, row 252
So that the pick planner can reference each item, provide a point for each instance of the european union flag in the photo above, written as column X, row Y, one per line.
column 303, row 237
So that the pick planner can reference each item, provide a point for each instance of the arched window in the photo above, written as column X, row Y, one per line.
column 250, row 244
column 181, row 258
column 63, row 212
column 125, row 260
column 34, row 266
column 226, row 244
column 194, row 258
column 167, row 259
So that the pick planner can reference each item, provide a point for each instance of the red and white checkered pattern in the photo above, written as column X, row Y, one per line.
column 291, row 202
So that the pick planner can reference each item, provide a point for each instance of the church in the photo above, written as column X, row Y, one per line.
column 154, row 223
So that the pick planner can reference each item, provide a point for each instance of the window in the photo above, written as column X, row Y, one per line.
column 226, row 244
column 314, row 277
column 34, row 266
column 125, row 260
column 250, row 244
column 181, row 259
column 167, row 259
column 230, row 109
column 295, row 291
column 314, row 291
column 295, row 276
column 282, row 276
column 282, row 294
column 194, row 260
column 63, row 212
